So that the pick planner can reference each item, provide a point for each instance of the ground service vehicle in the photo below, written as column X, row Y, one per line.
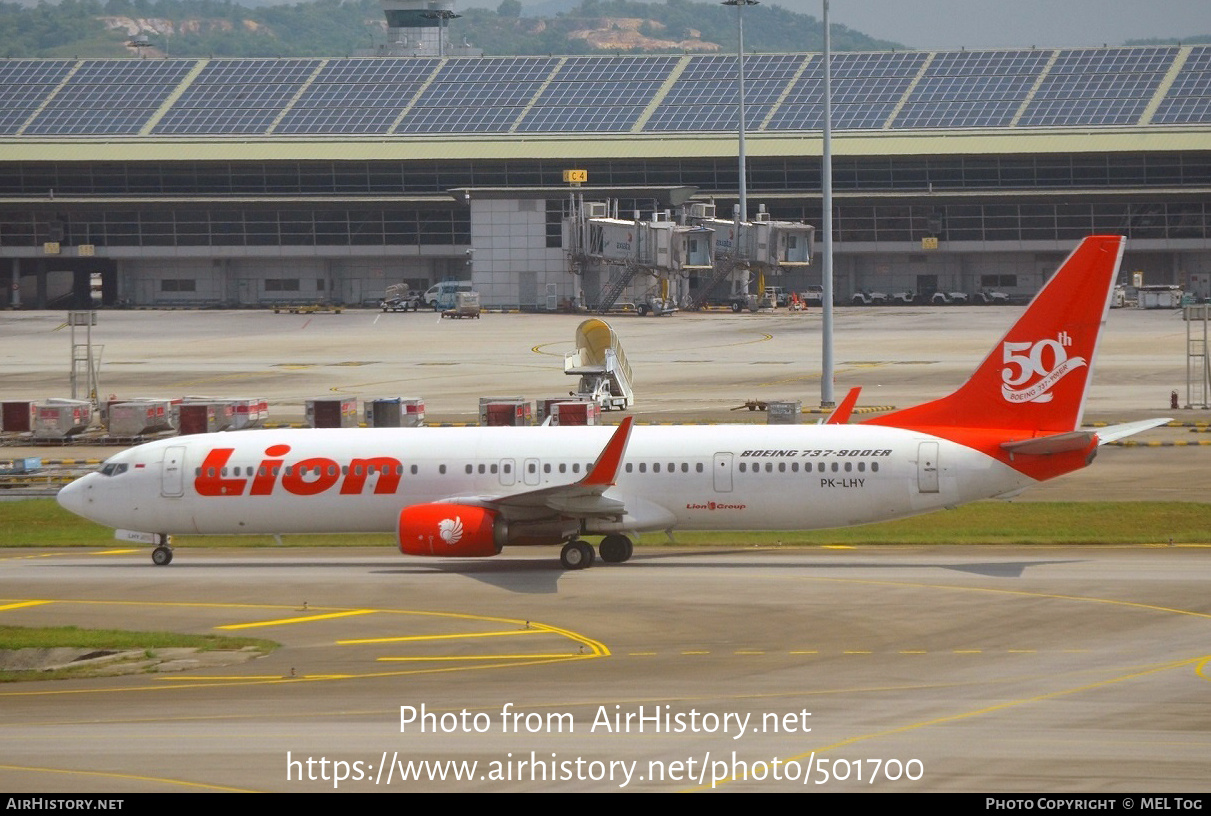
column 866, row 297
column 987, row 297
column 441, row 295
column 409, row 302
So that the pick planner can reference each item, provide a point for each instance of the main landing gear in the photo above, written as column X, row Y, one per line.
column 615, row 548
column 577, row 554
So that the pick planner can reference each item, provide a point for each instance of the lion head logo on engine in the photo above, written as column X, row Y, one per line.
column 1046, row 360
column 450, row 530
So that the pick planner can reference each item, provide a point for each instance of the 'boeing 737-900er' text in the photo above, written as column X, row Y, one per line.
column 469, row 492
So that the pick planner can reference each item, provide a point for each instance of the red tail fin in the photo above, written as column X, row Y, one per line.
column 1035, row 379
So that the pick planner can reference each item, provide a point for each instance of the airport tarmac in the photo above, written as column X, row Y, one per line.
column 915, row 668
column 685, row 366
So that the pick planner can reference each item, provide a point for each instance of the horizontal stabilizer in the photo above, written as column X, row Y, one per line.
column 1115, row 432
column 1079, row 440
column 1056, row 443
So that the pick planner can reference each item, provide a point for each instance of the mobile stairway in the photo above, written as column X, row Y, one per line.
column 601, row 364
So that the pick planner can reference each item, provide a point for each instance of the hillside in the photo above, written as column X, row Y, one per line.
column 322, row 28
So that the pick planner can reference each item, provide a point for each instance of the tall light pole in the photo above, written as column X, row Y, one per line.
column 740, row 4
column 826, row 273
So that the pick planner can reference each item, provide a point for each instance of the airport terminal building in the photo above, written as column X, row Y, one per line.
column 238, row 182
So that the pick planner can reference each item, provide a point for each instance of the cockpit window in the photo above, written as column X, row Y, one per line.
column 114, row 469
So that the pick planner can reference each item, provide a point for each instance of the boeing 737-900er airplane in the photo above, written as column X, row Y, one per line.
column 468, row 492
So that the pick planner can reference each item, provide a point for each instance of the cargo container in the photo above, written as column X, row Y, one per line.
column 247, row 412
column 395, row 412
column 783, row 412
column 484, row 402
column 543, row 407
column 224, row 412
column 136, row 418
column 512, row 412
column 17, row 416
column 205, row 417
column 332, row 412
column 59, row 418
column 576, row 413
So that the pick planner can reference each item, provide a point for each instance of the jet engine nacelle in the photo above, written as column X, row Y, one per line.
column 450, row 530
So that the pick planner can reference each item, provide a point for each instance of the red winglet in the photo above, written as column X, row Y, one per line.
column 605, row 469
column 841, row 413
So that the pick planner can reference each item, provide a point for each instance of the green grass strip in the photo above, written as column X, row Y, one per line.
column 72, row 637
column 102, row 641
column 42, row 523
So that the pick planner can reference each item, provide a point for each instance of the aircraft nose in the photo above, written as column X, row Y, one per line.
column 74, row 497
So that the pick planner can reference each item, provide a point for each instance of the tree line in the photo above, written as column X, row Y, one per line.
column 334, row 28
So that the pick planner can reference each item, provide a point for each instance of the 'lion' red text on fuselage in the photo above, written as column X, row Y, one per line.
column 306, row 477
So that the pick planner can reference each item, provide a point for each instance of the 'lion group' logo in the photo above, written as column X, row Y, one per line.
column 450, row 530
column 1045, row 362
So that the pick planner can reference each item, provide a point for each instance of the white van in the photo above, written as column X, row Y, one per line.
column 441, row 295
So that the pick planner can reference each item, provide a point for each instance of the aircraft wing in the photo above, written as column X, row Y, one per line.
column 584, row 498
column 1056, row 443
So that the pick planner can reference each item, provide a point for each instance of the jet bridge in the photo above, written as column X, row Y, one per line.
column 762, row 246
column 646, row 259
column 601, row 364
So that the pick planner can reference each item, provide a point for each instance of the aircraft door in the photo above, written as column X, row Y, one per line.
column 723, row 472
column 507, row 475
column 172, row 473
column 927, row 467
column 531, row 473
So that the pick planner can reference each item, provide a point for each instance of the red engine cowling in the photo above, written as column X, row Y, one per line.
column 449, row 530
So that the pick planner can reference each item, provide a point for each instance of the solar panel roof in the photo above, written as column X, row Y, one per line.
column 911, row 90
column 109, row 97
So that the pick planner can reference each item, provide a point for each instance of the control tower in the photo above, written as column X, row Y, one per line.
column 419, row 28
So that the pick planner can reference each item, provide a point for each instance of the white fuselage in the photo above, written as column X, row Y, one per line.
column 685, row 477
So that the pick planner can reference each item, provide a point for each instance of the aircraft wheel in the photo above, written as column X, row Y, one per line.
column 161, row 556
column 576, row 555
column 616, row 548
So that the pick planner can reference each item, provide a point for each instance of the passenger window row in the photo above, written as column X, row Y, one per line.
column 848, row 466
